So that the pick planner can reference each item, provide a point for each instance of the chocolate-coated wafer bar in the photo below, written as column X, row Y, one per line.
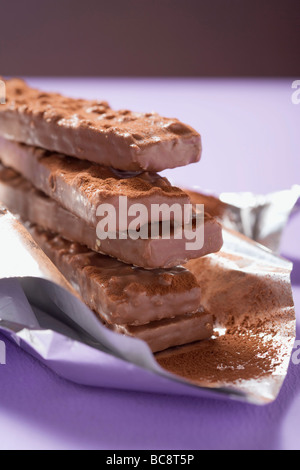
column 81, row 187
column 213, row 206
column 164, row 334
column 119, row 293
column 30, row 204
column 228, row 215
column 91, row 130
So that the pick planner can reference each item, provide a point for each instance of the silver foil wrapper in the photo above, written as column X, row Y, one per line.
column 246, row 286
column 262, row 217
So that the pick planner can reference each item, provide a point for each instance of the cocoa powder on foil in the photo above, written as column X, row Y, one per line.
column 254, row 323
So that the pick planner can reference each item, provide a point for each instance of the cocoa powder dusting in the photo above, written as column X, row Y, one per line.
column 91, row 130
column 152, row 283
column 117, row 278
column 254, row 323
column 225, row 359
column 91, row 178
column 162, row 282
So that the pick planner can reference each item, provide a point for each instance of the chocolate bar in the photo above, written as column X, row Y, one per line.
column 81, row 187
column 213, row 206
column 229, row 216
column 153, row 302
column 164, row 334
column 32, row 205
column 119, row 293
column 91, row 130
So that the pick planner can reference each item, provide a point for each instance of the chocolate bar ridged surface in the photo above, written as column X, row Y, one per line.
column 81, row 187
column 91, row 130
column 32, row 205
column 169, row 292
column 119, row 293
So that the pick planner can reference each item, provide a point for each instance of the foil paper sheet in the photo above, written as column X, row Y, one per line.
column 262, row 217
column 246, row 286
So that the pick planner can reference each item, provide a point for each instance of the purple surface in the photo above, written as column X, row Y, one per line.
column 251, row 142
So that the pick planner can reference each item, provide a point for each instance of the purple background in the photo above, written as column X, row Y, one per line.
column 251, row 142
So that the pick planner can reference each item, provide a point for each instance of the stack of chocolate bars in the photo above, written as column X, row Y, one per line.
column 61, row 160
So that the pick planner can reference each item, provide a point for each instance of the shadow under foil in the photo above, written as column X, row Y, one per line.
column 114, row 419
